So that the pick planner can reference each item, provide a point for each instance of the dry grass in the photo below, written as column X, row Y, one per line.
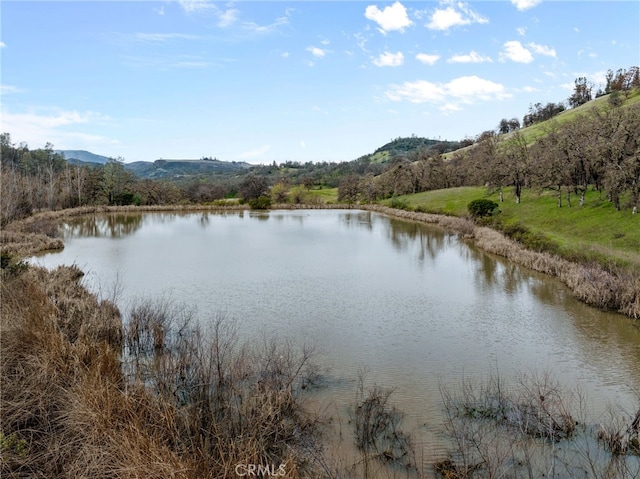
column 590, row 283
column 459, row 225
column 186, row 404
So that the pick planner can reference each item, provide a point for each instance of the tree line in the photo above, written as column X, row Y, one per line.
column 599, row 149
column 35, row 179
column 618, row 85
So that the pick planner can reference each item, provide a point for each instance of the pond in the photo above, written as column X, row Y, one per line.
column 415, row 306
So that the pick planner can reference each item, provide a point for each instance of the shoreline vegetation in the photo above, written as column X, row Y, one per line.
column 88, row 393
column 88, row 390
column 615, row 290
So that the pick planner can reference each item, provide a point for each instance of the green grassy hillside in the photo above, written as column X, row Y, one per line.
column 594, row 231
column 533, row 132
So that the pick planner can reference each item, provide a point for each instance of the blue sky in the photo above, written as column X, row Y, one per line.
column 285, row 80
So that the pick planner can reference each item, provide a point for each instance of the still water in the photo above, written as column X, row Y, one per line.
column 414, row 305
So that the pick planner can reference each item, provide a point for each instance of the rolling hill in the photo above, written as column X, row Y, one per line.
column 82, row 156
column 166, row 169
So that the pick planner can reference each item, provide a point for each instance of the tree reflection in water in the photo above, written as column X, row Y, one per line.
column 115, row 225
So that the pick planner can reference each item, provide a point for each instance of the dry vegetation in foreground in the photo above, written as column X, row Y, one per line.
column 531, row 429
column 84, row 397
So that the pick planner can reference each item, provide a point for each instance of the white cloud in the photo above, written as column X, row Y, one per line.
column 542, row 50
column 317, row 109
column 8, row 89
column 3, row 45
column 521, row 31
column 514, row 51
column 264, row 29
column 361, row 41
column 473, row 87
column 302, row 144
column 420, row 91
column 159, row 10
column 228, row 18
column 427, row 59
column 60, row 118
column 597, row 77
column 284, row 54
column 525, row 4
column 195, row 6
column 462, row 90
column 388, row 59
column 163, row 37
column 38, row 128
column 190, row 64
column 450, row 108
column 167, row 62
column 393, row 17
column 454, row 15
column 317, row 52
column 471, row 57
column 255, row 153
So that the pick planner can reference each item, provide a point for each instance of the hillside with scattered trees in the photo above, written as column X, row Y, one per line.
column 566, row 147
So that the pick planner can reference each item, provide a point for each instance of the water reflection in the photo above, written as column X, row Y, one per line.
column 410, row 301
column 115, row 225
column 358, row 219
column 203, row 220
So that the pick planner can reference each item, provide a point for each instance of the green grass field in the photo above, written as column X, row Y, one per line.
column 327, row 195
column 594, row 230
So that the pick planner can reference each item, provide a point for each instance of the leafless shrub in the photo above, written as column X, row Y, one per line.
column 376, row 425
column 530, row 430
column 233, row 402
column 472, row 421
column 621, row 435
column 541, row 408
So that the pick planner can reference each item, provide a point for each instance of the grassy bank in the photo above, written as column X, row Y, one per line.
column 610, row 282
column 592, row 232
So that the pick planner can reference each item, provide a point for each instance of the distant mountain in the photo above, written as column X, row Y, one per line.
column 167, row 169
column 83, row 156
